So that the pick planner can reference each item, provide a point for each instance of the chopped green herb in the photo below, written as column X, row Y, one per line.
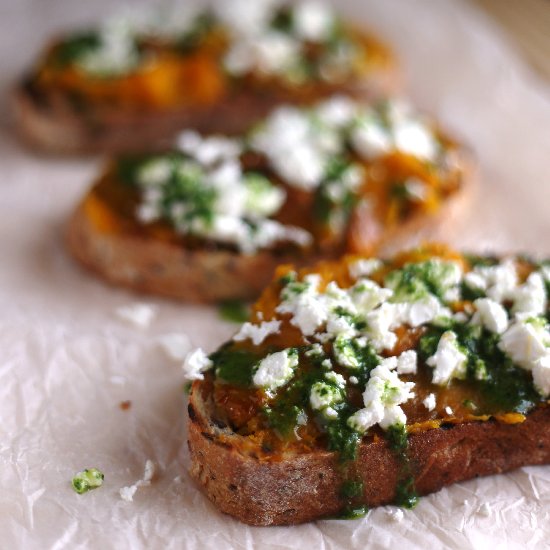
column 87, row 480
column 234, row 366
column 234, row 311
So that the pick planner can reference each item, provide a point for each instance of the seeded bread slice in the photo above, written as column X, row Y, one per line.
column 49, row 122
column 150, row 265
column 260, row 489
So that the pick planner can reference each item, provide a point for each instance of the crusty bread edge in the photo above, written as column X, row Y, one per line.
column 57, row 128
column 166, row 268
column 259, row 489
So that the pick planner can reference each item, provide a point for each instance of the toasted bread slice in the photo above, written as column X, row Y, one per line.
column 318, row 408
column 356, row 204
column 85, row 96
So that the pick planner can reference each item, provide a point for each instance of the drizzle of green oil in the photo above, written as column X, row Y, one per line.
column 234, row 366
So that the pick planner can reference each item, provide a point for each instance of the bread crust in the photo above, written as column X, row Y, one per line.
column 50, row 124
column 166, row 268
column 260, row 489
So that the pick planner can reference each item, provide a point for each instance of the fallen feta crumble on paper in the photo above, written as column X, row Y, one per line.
column 395, row 514
column 127, row 493
column 139, row 314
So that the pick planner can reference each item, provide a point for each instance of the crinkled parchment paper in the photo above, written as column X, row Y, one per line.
column 67, row 360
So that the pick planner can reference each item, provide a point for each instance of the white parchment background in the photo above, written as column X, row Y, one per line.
column 66, row 361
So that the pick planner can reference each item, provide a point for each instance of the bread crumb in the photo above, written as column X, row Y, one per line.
column 127, row 493
column 125, row 405
column 140, row 314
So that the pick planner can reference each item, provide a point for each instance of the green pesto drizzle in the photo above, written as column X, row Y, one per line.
column 398, row 441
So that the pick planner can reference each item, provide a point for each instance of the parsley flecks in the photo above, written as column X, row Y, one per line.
column 74, row 47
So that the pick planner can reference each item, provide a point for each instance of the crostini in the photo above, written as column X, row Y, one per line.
column 132, row 83
column 211, row 219
column 365, row 382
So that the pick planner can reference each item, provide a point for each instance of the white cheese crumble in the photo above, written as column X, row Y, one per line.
column 323, row 396
column 395, row 514
column 210, row 196
column 530, row 297
column 430, row 402
column 364, row 267
column 448, row 361
column 175, row 345
column 525, row 342
column 275, row 370
column 140, row 315
column 497, row 281
column 382, row 396
column 449, row 411
column 196, row 362
column 407, row 362
column 491, row 315
column 313, row 20
column 127, row 493
column 257, row 333
column 541, row 374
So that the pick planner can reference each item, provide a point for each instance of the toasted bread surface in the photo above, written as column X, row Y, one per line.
column 259, row 490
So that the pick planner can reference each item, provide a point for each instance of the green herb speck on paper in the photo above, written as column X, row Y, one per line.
column 88, row 479
column 234, row 311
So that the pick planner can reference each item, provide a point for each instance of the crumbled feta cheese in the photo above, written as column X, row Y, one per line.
column 353, row 380
column 429, row 402
column 127, row 493
column 276, row 369
column 308, row 313
column 499, row 280
column 416, row 189
column 382, row 396
column 370, row 139
column 530, row 297
column 379, row 323
column 415, row 139
column 324, row 395
column 313, row 20
column 407, row 362
column 448, row 361
column 243, row 17
column 338, row 111
column 364, row 268
column 491, row 314
column 155, row 172
column 525, row 342
column 336, row 378
column 449, row 411
column 257, row 333
column 367, row 295
column 345, row 353
column 484, row 510
column 395, row 514
column 541, row 374
column 196, row 362
column 140, row 315
column 326, row 364
column 175, row 345
column 422, row 311
column 475, row 281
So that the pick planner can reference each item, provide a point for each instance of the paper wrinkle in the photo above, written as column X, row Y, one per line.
column 67, row 362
